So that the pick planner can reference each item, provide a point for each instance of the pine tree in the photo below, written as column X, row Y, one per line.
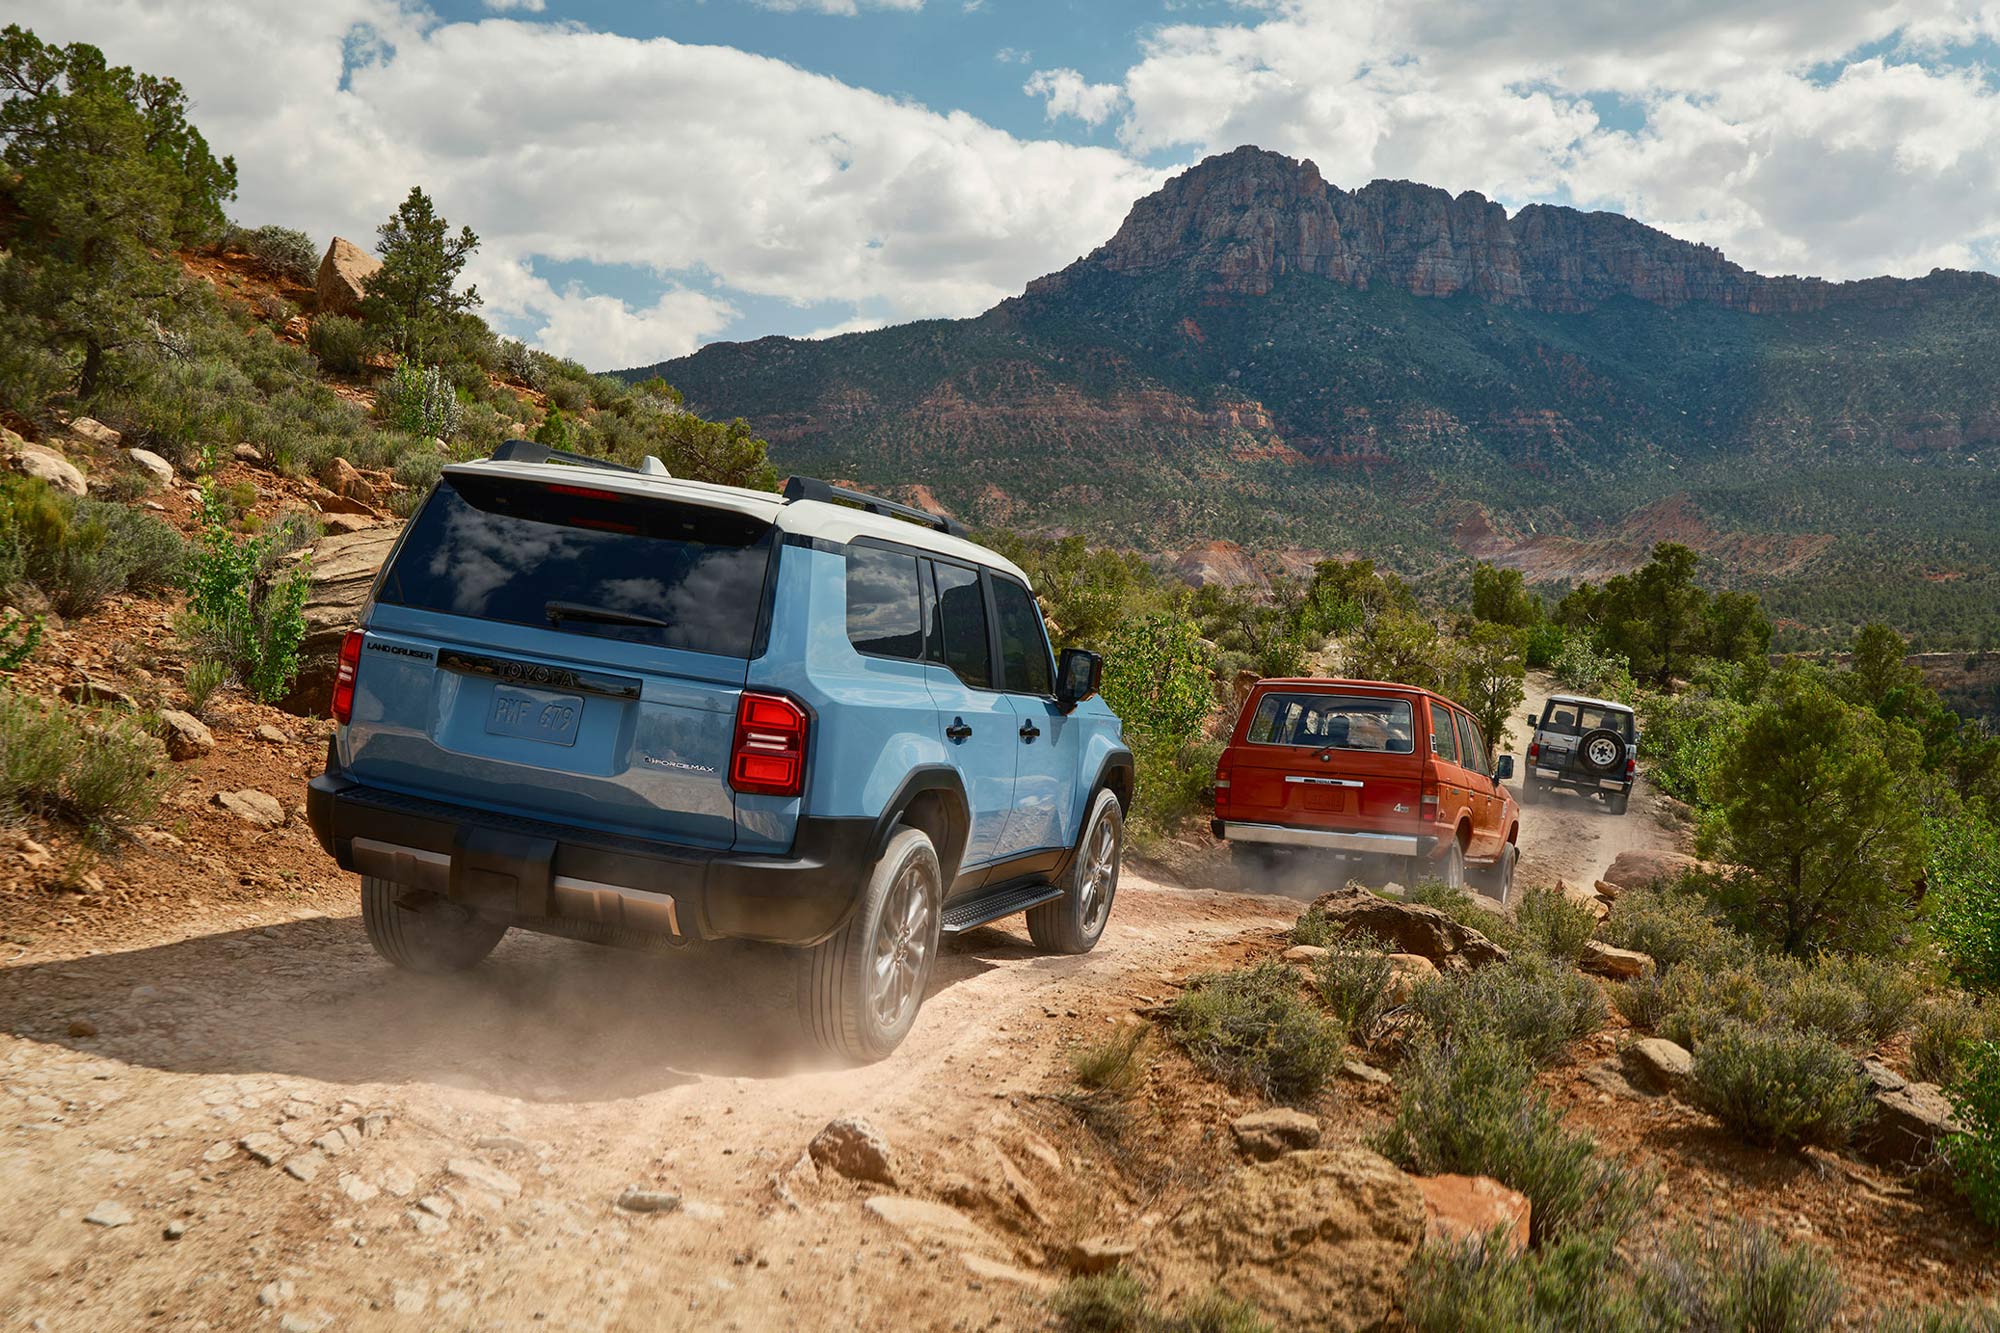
column 414, row 298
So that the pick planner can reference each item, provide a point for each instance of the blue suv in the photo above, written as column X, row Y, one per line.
column 601, row 702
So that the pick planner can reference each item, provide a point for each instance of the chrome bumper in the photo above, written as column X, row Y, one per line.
column 1383, row 844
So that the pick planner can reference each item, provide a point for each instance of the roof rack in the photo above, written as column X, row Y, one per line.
column 528, row 451
column 812, row 488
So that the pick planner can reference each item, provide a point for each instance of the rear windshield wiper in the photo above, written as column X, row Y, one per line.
column 557, row 612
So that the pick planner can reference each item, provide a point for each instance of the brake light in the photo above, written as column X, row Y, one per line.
column 343, row 680
column 1430, row 797
column 582, row 492
column 1534, row 750
column 1631, row 767
column 768, row 757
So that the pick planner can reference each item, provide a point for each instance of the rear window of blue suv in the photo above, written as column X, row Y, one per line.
column 584, row 560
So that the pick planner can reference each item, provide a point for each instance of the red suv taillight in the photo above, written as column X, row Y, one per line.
column 1222, row 781
column 1534, row 749
column 1631, row 768
column 768, row 757
column 343, row 681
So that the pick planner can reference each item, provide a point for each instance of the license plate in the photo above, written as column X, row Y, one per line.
column 534, row 715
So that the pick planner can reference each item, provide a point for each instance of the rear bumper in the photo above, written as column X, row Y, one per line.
column 1581, row 781
column 502, row 866
column 1283, row 835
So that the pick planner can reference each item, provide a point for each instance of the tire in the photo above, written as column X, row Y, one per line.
column 1453, row 865
column 1497, row 880
column 434, row 942
column 1616, row 802
column 859, row 991
column 1530, row 793
column 1074, row 922
column 1601, row 751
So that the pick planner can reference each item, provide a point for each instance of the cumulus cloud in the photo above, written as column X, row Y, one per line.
column 651, row 153
column 846, row 7
column 1067, row 93
column 1761, row 129
column 527, row 6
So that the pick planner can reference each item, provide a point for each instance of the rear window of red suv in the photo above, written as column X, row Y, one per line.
column 1332, row 722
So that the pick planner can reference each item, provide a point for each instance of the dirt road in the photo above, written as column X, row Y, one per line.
column 447, row 1153
column 1569, row 836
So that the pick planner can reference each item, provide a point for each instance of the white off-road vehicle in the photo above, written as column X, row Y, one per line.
column 1587, row 745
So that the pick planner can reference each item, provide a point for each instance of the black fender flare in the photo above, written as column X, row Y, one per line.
column 941, row 778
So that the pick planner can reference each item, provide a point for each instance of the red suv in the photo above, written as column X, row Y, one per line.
column 1389, row 774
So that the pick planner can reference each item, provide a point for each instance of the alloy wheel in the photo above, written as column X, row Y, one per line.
column 902, row 944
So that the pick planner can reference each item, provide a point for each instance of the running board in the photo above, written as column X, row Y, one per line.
column 961, row 917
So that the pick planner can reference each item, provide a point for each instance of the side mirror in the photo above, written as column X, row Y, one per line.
column 1533, row 722
column 1077, row 676
column 1506, row 768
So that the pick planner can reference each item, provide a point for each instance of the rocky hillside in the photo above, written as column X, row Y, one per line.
column 1263, row 358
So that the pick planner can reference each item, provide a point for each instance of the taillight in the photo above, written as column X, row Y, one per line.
column 1430, row 797
column 1631, row 767
column 768, row 757
column 1221, row 783
column 343, row 680
column 1534, row 750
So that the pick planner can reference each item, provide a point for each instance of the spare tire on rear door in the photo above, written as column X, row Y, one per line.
column 1601, row 751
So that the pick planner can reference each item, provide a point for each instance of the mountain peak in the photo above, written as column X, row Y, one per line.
column 1240, row 221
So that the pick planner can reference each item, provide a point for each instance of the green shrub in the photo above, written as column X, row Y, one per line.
column 205, row 675
column 1779, row 1089
column 1251, row 1028
column 1889, row 988
column 1354, row 978
column 1817, row 1000
column 1116, row 1064
column 421, row 402
column 1216, row 1313
column 1962, row 898
column 19, row 637
column 416, row 472
column 1576, row 1283
column 1468, row 1105
column 1740, row 1277
column 340, row 344
column 1975, row 1154
column 1672, row 927
column 285, row 252
column 1642, row 1002
column 99, row 772
column 567, row 394
column 1554, row 923
column 1970, row 1318
column 523, row 364
column 1535, row 1003
column 244, row 609
column 1699, row 1003
column 1579, row 665
column 1112, row 1302
column 80, row 551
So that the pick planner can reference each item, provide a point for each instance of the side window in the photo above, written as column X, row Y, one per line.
column 1024, row 643
column 1444, row 743
column 884, row 613
column 1471, row 745
column 958, row 625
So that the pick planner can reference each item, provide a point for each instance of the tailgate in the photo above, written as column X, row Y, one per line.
column 570, row 654
column 1327, row 762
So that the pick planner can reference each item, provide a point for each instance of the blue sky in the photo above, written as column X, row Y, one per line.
column 648, row 177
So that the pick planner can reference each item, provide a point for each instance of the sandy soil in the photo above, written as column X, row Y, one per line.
column 570, row 1070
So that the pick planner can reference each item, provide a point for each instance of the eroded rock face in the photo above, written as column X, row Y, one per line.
column 1458, row 1209
column 1619, row 964
column 1410, row 928
column 1909, row 1124
column 1249, row 217
column 341, row 275
column 1642, row 870
column 1273, row 1133
column 343, row 569
column 1315, row 1240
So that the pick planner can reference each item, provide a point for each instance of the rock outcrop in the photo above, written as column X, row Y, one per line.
column 1246, row 218
column 1643, row 870
column 343, row 569
column 1315, row 1240
column 1458, row 1209
column 342, row 273
column 1409, row 928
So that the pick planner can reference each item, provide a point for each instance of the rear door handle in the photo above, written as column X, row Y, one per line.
column 957, row 731
column 1029, row 731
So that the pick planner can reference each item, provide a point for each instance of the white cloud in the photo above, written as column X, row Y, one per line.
column 845, row 7
column 603, row 332
column 1067, row 93
column 1761, row 130
column 529, row 6
column 610, row 150
column 1013, row 55
column 859, row 324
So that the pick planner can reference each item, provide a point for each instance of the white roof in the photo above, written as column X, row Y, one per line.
column 808, row 518
column 1586, row 699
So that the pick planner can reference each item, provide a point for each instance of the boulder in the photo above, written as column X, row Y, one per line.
column 1606, row 890
column 246, row 453
column 346, row 522
column 1622, row 964
column 342, row 275
column 343, row 569
column 38, row 460
column 1409, row 928
column 91, row 690
column 1659, row 1063
column 1642, row 870
column 854, row 1148
column 1907, row 1126
column 1587, row 897
column 1458, row 1209
column 1099, row 1254
column 1268, row 1134
column 186, row 735
column 345, row 480
column 1315, row 1240
column 157, row 469
column 255, row 808
column 1406, row 970
column 1362, row 1072
column 1304, row 953
column 95, row 432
